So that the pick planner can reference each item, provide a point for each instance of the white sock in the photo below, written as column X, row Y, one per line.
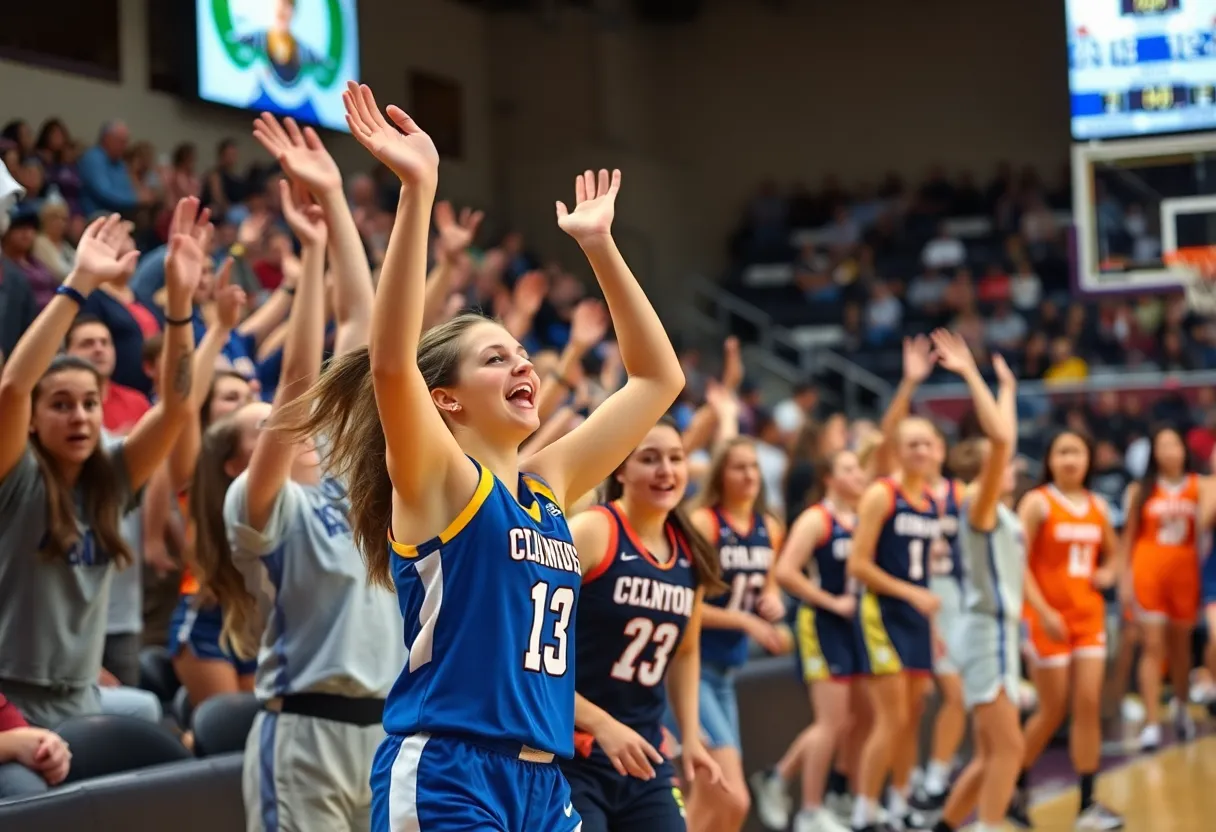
column 937, row 777
column 865, row 812
column 987, row 827
column 897, row 803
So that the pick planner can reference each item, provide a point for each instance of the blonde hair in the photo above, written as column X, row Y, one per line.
column 711, row 494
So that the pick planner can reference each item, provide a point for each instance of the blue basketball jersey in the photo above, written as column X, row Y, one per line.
column 907, row 535
column 631, row 620
column 746, row 559
column 489, row 622
column 945, row 555
column 832, row 554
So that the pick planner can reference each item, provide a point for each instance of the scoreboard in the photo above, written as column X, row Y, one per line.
column 1141, row 67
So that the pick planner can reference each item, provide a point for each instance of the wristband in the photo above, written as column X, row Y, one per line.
column 178, row 321
column 70, row 293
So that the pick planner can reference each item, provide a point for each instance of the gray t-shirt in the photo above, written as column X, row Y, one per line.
column 994, row 565
column 327, row 629
column 53, row 612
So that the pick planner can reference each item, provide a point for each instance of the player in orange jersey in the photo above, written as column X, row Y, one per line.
column 1162, row 585
column 1067, row 527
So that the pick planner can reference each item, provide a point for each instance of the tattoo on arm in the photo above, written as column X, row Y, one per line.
column 183, row 376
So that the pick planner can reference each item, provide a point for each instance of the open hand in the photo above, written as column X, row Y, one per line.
column 407, row 152
column 305, row 217
column 1004, row 375
column 299, row 152
column 102, row 255
column 190, row 233
column 697, row 758
column 455, row 234
column 630, row 754
column 953, row 352
column 230, row 300
column 594, row 206
column 918, row 358
column 530, row 292
column 589, row 323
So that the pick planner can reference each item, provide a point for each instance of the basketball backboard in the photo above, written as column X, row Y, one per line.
column 1137, row 201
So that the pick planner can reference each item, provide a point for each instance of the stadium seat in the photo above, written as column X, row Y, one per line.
column 194, row 796
column 107, row 744
column 156, row 673
column 181, row 708
column 222, row 723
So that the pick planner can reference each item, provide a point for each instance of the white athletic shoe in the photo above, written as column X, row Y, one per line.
column 1098, row 818
column 1132, row 709
column 818, row 820
column 1184, row 723
column 773, row 803
column 840, row 805
column 1150, row 737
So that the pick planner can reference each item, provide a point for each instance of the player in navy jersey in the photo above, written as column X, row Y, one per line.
column 426, row 430
column 829, row 641
column 639, row 620
column 733, row 518
column 897, row 521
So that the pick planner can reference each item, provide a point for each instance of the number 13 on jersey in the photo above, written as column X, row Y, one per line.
column 549, row 655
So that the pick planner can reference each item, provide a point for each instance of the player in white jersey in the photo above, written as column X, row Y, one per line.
column 986, row 642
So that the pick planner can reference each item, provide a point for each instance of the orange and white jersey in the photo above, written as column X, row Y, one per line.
column 1168, row 518
column 1064, row 554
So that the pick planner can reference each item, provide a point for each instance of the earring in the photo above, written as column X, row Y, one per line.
column 456, row 407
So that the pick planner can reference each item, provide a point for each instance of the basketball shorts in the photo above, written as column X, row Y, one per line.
column 437, row 783
column 199, row 629
column 1166, row 585
column 1208, row 579
column 946, row 621
column 829, row 646
column 896, row 637
column 287, row 787
column 1085, row 636
column 609, row 801
column 986, row 650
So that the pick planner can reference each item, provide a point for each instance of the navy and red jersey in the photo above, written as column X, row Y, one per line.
column 832, row 553
column 911, row 525
column 746, row 557
column 632, row 614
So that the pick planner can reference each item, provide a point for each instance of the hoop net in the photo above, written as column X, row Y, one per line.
column 1199, row 263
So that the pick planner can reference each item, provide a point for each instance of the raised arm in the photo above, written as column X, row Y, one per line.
column 588, row 326
column 306, row 160
column 997, row 424
column 455, row 235
column 918, row 364
column 421, row 452
column 590, row 452
column 97, row 261
column 152, row 438
column 270, row 465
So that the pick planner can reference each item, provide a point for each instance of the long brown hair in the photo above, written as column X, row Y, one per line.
column 99, row 482
column 712, row 492
column 218, row 576
column 705, row 561
column 341, row 406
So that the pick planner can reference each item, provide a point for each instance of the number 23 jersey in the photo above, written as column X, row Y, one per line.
column 489, row 622
column 632, row 615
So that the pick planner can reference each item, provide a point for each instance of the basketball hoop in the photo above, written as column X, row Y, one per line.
column 1199, row 265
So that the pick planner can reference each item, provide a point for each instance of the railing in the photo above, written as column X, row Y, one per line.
column 777, row 345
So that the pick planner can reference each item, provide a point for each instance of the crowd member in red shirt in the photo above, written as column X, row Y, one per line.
column 31, row 759
column 121, row 407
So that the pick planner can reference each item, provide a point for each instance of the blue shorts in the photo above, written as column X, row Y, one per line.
column 445, row 784
column 718, row 706
column 199, row 629
column 829, row 646
column 896, row 637
column 1208, row 579
column 610, row 801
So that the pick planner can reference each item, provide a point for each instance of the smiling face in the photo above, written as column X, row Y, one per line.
column 494, row 388
column 656, row 473
column 741, row 474
column 917, row 444
column 66, row 418
column 847, row 478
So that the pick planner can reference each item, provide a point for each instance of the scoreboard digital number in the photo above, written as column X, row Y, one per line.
column 1141, row 67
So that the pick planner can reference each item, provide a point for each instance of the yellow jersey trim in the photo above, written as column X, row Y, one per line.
column 536, row 486
column 484, row 486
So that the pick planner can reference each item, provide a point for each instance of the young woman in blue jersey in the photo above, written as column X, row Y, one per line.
column 426, row 429
column 829, row 640
column 733, row 518
column 64, row 488
column 993, row 552
column 897, row 522
column 647, row 571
